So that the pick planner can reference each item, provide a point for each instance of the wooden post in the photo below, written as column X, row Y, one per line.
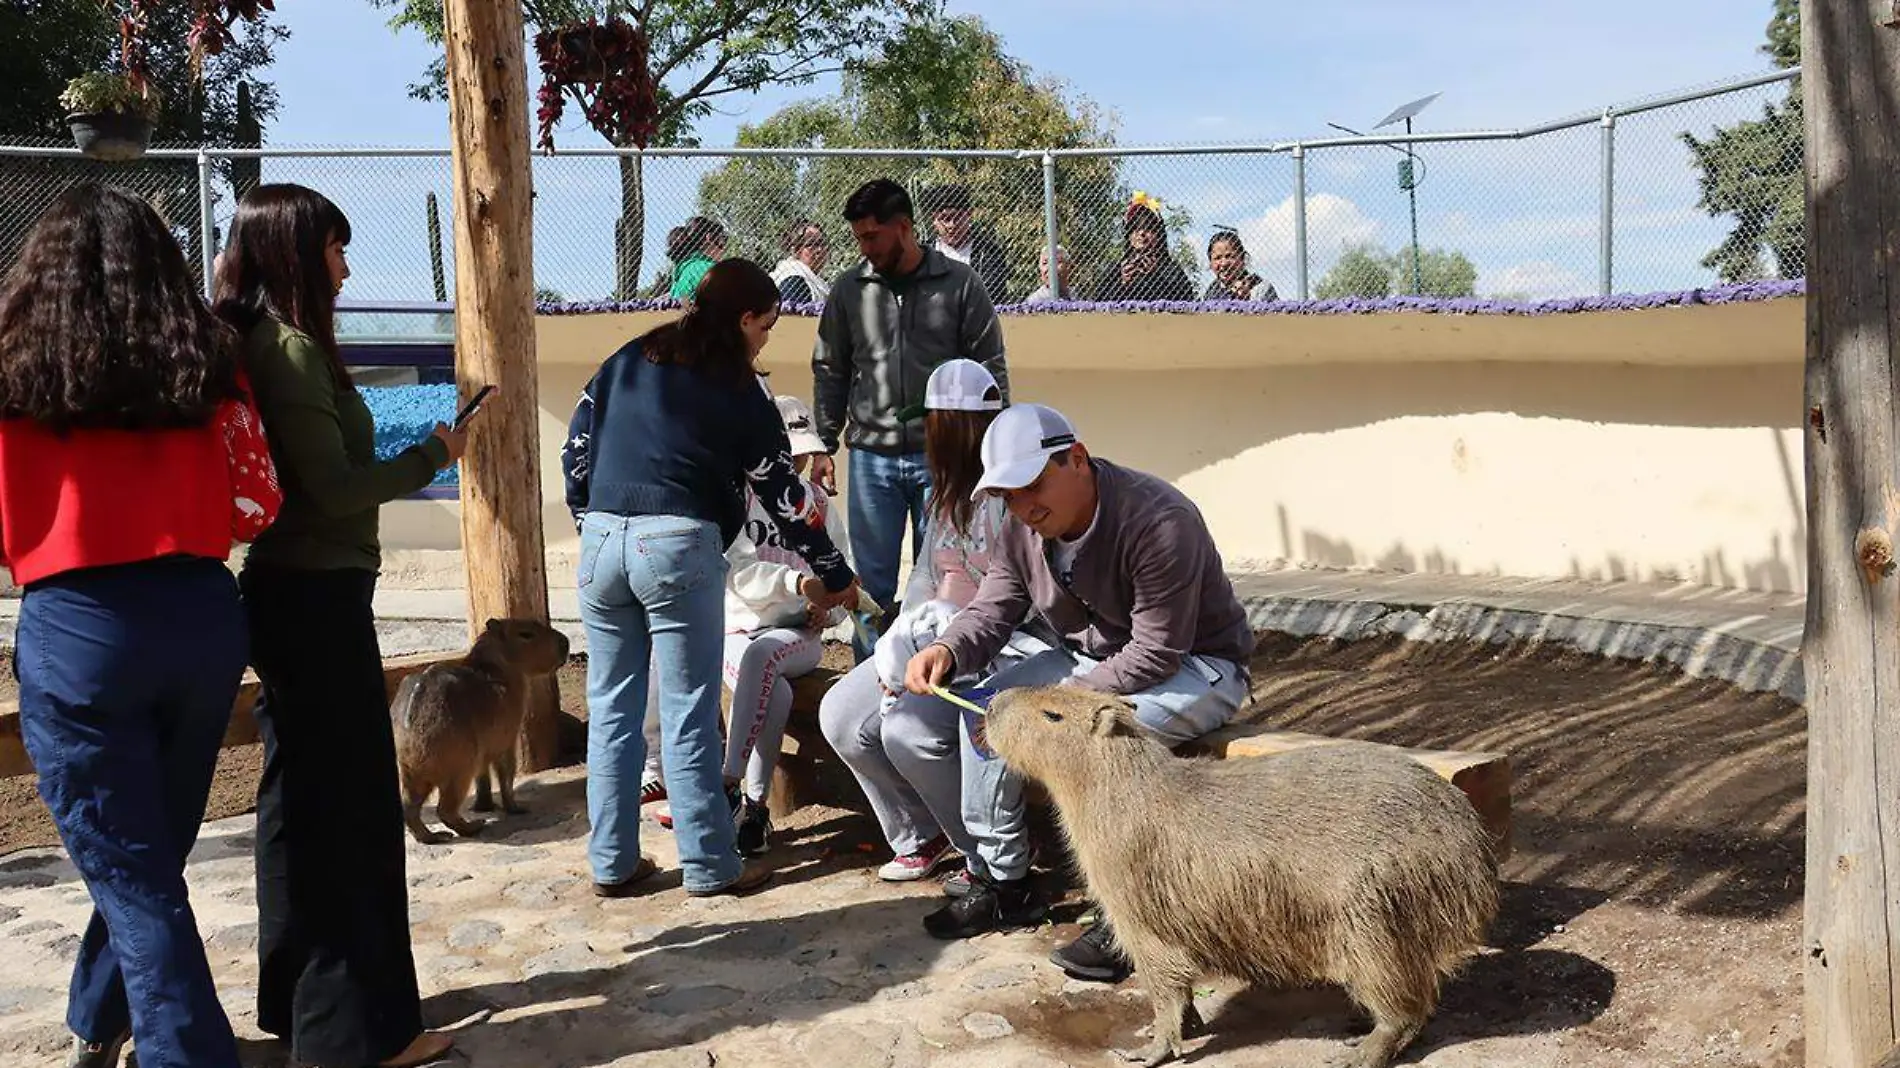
column 494, row 331
column 1851, row 653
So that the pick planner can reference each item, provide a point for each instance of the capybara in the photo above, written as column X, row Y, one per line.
column 1350, row 864
column 454, row 721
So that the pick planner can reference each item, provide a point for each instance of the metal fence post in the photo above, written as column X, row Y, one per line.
column 1049, row 222
column 207, row 225
column 1606, row 223
column 1299, row 217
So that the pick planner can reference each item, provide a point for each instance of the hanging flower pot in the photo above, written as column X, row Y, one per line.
column 109, row 118
column 604, row 66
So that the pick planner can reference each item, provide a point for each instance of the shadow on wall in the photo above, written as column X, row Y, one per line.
column 1602, row 472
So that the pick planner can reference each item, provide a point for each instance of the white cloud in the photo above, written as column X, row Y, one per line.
column 1534, row 280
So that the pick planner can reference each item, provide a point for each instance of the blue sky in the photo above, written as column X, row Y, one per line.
column 1185, row 71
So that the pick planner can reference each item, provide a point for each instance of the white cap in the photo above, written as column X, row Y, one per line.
column 1017, row 446
column 798, row 426
column 959, row 386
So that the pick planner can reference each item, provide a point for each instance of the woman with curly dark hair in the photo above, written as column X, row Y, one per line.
column 335, row 973
column 130, row 459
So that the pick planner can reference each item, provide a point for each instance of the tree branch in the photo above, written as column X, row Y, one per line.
column 692, row 45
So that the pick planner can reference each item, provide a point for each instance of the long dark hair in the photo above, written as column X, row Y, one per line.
column 685, row 242
column 953, row 444
column 275, row 265
column 101, row 324
column 707, row 337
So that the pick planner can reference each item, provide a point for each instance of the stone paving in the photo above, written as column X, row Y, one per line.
column 829, row 967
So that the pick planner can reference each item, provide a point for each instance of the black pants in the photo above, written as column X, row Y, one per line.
column 336, row 977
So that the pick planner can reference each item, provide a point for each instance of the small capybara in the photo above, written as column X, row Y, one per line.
column 1350, row 864
column 455, row 721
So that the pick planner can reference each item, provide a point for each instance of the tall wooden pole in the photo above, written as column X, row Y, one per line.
column 494, row 331
column 1851, row 653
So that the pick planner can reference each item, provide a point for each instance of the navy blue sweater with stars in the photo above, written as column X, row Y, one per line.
column 662, row 439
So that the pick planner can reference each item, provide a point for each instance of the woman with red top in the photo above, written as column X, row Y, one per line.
column 130, row 459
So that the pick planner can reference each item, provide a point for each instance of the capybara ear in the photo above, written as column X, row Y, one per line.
column 1107, row 718
column 494, row 626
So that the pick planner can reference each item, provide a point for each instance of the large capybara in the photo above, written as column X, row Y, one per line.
column 455, row 721
column 1350, row 864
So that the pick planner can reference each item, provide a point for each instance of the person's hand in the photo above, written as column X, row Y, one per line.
column 824, row 471
column 455, row 440
column 820, row 598
column 1128, row 271
column 816, row 618
column 928, row 668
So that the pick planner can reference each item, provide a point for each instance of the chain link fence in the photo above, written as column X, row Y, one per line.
column 1674, row 192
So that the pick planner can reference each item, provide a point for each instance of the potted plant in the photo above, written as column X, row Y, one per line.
column 604, row 66
column 110, row 118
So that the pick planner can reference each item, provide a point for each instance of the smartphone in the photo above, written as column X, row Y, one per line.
column 468, row 410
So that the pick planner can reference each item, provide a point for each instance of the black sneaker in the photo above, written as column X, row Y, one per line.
column 96, row 1054
column 989, row 906
column 1093, row 955
column 754, row 824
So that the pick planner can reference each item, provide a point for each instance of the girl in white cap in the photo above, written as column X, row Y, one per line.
column 902, row 748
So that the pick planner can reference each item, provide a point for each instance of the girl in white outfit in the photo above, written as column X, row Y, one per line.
column 772, row 637
column 904, row 749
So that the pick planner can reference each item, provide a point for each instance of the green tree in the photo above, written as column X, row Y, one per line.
column 53, row 41
column 945, row 83
column 700, row 51
column 1367, row 270
column 1753, row 172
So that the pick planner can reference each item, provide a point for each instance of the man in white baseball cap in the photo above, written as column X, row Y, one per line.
column 1122, row 566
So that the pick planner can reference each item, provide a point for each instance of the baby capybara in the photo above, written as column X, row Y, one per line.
column 1350, row 864
column 455, row 721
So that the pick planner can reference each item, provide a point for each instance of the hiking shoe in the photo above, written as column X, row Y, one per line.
column 989, row 906
column 754, row 827
column 654, row 789
column 1093, row 955
column 96, row 1054
column 751, row 878
column 628, row 886
column 920, row 864
column 958, row 884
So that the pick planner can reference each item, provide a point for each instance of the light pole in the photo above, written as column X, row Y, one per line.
column 1408, row 175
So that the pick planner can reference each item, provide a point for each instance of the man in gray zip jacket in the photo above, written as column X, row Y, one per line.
column 1122, row 566
column 887, row 324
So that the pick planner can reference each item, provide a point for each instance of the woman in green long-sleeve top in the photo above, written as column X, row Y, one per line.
column 336, row 977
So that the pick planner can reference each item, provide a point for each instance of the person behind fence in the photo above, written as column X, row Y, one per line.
column 806, row 250
column 954, row 234
column 901, row 311
column 131, row 457
column 1232, row 280
column 665, row 438
column 901, row 747
column 1145, row 270
column 336, row 976
column 1060, row 289
column 693, row 248
column 1122, row 565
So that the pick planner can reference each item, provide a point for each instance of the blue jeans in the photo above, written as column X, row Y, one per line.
column 1196, row 700
column 886, row 492
column 127, row 676
column 652, row 591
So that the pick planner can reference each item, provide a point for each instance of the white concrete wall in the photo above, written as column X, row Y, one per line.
column 1613, row 445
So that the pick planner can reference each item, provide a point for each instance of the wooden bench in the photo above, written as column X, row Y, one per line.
column 1485, row 778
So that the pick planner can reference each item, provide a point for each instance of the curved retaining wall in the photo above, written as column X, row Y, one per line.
column 1650, row 436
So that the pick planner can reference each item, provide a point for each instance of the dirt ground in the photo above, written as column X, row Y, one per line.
column 1652, row 905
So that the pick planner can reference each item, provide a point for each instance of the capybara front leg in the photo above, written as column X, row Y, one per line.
column 448, row 805
column 1171, row 990
column 505, row 778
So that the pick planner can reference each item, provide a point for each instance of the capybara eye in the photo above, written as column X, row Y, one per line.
column 1053, row 717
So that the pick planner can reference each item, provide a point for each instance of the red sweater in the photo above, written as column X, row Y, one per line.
column 99, row 497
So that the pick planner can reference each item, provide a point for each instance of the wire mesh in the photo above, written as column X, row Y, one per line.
column 1703, row 191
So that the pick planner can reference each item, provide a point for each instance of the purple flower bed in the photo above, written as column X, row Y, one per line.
column 1741, row 292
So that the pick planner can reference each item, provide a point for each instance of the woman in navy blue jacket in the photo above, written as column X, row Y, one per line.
column 662, row 445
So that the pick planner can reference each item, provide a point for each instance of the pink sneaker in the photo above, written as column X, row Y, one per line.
column 918, row 865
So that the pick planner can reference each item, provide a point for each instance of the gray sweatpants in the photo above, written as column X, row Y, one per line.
column 905, row 755
column 1196, row 700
